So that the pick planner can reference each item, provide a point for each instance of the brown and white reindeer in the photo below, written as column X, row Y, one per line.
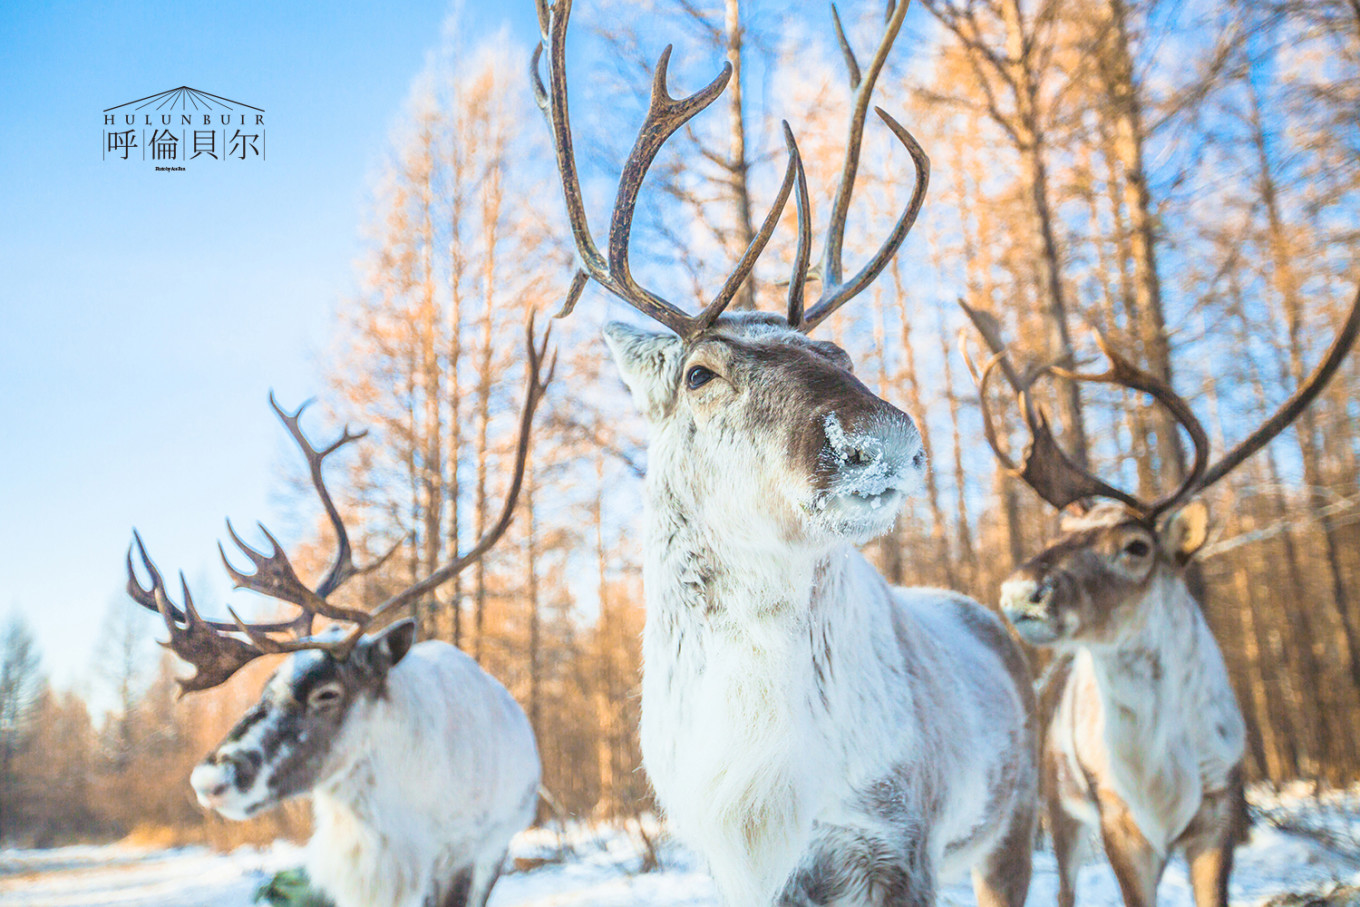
column 420, row 765
column 1143, row 740
column 819, row 736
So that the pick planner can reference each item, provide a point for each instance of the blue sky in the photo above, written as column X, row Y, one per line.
column 144, row 315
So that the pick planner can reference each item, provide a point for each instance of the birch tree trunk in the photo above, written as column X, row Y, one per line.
column 491, row 198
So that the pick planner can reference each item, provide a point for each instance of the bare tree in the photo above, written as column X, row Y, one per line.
column 21, row 688
column 1008, row 49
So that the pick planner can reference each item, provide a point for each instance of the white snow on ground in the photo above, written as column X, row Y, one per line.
column 130, row 877
column 600, row 870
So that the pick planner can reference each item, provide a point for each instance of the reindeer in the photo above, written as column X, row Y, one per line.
column 819, row 736
column 1143, row 739
column 420, row 765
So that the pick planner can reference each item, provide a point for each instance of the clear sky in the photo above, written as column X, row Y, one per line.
column 145, row 315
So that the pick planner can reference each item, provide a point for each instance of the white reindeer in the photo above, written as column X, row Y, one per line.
column 819, row 736
column 1143, row 740
column 421, row 766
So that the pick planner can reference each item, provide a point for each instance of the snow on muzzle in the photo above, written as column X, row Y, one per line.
column 866, row 468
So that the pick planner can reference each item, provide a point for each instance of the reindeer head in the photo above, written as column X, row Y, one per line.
column 767, row 430
column 1094, row 582
column 752, row 418
column 305, row 728
column 1099, row 581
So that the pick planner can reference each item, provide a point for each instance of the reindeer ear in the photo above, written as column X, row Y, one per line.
column 391, row 645
column 650, row 365
column 1185, row 531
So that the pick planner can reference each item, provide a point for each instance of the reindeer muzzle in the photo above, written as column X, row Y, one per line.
column 1028, row 604
column 221, row 780
column 866, row 468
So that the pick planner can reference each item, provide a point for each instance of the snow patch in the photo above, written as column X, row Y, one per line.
column 601, row 870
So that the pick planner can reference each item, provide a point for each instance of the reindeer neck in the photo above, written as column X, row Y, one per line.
column 714, row 598
column 350, row 798
column 1156, row 656
column 1171, row 726
column 750, row 652
column 355, row 844
column 723, row 576
column 373, row 775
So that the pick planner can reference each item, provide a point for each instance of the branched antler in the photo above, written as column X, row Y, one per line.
column 215, row 648
column 205, row 644
column 1289, row 410
column 535, row 388
column 836, row 292
column 667, row 114
column 1056, row 478
column 1045, row 466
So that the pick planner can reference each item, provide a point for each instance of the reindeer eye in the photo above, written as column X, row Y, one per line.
column 698, row 376
column 1137, row 548
column 324, row 697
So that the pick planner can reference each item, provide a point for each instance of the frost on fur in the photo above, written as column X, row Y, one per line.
column 870, row 482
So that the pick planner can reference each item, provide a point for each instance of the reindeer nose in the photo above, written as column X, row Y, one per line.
column 247, row 759
column 854, row 451
column 209, row 781
column 877, row 443
column 1024, row 596
column 244, row 764
column 859, row 456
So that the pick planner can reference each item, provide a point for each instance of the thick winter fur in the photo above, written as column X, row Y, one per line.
column 1144, row 741
column 421, row 768
column 821, row 737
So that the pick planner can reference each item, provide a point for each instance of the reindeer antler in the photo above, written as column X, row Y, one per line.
column 1289, row 410
column 215, row 648
column 274, row 575
column 835, row 291
column 205, row 644
column 665, row 115
column 1045, row 466
column 1056, row 478
column 534, row 389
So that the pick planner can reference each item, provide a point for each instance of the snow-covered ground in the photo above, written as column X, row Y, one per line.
column 601, row 871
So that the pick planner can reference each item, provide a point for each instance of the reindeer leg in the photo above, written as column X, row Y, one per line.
column 1069, row 836
column 1002, row 878
column 1210, row 864
column 1069, row 830
column 455, row 893
column 484, row 877
column 1137, row 864
column 1209, row 841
